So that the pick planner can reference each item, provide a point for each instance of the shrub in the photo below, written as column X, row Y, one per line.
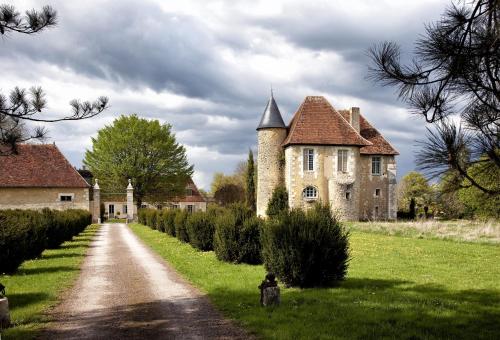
column 24, row 234
column 236, row 237
column 169, row 221
column 278, row 202
column 180, row 225
column 306, row 249
column 200, row 228
column 148, row 217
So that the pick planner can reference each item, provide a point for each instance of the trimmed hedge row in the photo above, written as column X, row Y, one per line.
column 302, row 249
column 233, row 232
column 24, row 234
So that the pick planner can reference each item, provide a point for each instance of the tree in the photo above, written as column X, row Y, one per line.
column 220, row 180
column 229, row 193
column 455, row 72
column 278, row 202
column 22, row 105
column 250, row 180
column 144, row 151
column 414, row 192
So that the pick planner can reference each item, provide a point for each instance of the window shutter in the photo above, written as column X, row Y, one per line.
column 304, row 160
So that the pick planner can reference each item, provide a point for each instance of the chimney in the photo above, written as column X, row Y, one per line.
column 354, row 118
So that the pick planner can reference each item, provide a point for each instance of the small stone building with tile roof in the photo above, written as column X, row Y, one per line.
column 38, row 176
column 328, row 155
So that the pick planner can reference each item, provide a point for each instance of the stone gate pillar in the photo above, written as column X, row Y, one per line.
column 96, row 211
column 130, row 201
column 392, row 194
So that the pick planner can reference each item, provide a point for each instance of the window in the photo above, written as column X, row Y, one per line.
column 111, row 209
column 310, row 193
column 376, row 165
column 348, row 192
column 348, row 195
column 377, row 192
column 124, row 209
column 376, row 211
column 65, row 198
column 309, row 159
column 189, row 192
column 175, row 206
column 190, row 208
column 143, row 206
column 342, row 161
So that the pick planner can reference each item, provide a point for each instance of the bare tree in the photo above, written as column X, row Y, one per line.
column 454, row 73
column 22, row 105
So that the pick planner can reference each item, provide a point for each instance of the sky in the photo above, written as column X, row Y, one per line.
column 206, row 67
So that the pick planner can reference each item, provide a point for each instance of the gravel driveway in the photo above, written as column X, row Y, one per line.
column 125, row 291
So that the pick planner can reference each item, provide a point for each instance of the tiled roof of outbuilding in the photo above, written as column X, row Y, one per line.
column 195, row 197
column 317, row 122
column 39, row 165
column 380, row 146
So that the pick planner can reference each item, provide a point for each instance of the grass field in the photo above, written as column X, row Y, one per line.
column 38, row 283
column 454, row 230
column 397, row 287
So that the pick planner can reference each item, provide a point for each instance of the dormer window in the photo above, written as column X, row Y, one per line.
column 310, row 193
column 308, row 159
column 342, row 161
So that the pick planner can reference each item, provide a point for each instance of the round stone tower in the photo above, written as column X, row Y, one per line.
column 271, row 133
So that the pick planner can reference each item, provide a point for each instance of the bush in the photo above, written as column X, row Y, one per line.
column 306, row 249
column 200, row 228
column 24, row 234
column 180, row 225
column 169, row 221
column 236, row 237
column 278, row 202
column 148, row 217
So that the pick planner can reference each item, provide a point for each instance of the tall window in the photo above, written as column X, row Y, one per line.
column 342, row 161
column 376, row 165
column 309, row 159
column 190, row 208
column 124, row 209
column 310, row 193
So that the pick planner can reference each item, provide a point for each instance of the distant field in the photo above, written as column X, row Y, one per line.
column 396, row 288
column 457, row 230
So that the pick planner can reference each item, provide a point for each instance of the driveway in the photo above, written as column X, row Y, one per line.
column 125, row 291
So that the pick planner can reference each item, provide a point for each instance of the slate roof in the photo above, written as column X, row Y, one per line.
column 38, row 165
column 380, row 146
column 271, row 118
column 316, row 122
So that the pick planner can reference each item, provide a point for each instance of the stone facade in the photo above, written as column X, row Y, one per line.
column 269, row 169
column 353, row 190
column 39, row 198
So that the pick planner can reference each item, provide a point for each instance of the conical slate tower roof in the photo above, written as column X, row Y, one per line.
column 271, row 118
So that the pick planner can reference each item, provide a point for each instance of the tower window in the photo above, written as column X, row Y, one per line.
column 309, row 159
column 348, row 195
column 377, row 192
column 376, row 161
column 310, row 192
column 342, row 161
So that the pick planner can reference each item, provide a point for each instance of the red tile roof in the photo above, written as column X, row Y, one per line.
column 39, row 165
column 316, row 122
column 380, row 146
column 195, row 197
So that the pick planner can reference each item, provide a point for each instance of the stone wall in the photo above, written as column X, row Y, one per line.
column 269, row 170
column 380, row 207
column 332, row 186
column 39, row 198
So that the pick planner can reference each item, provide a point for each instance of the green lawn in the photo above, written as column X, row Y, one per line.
column 397, row 288
column 38, row 283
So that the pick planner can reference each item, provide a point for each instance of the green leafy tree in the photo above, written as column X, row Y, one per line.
column 414, row 186
column 250, row 179
column 144, row 151
column 220, row 180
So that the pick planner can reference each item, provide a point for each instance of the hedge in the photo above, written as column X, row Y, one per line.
column 24, row 234
column 306, row 249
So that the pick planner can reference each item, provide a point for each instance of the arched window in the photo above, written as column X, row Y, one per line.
column 310, row 192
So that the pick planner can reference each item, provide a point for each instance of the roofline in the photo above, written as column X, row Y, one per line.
column 72, row 167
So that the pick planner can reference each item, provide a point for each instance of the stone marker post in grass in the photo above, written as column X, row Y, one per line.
column 4, row 309
column 269, row 291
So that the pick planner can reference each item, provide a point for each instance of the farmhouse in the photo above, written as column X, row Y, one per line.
column 328, row 155
column 39, row 176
